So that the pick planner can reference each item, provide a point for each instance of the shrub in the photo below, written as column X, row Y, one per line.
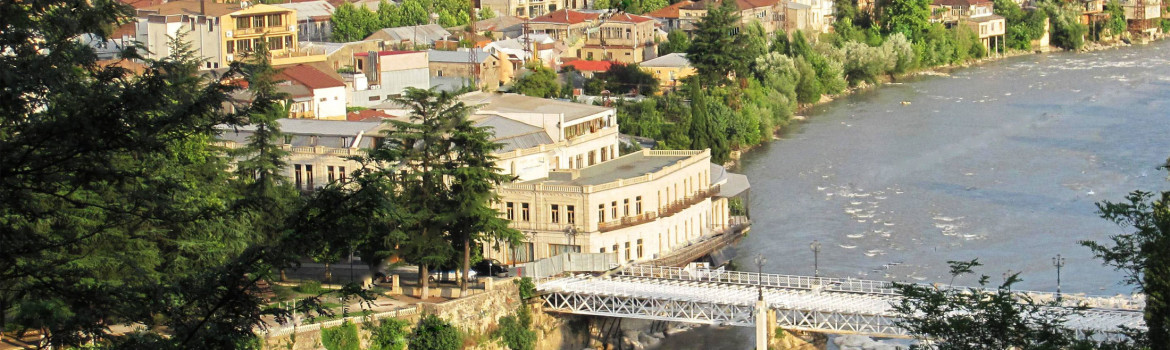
column 515, row 331
column 433, row 333
column 309, row 287
column 343, row 337
column 390, row 334
column 527, row 288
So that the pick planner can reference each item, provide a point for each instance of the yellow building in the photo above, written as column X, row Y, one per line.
column 221, row 33
column 669, row 70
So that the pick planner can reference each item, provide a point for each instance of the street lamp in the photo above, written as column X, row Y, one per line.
column 816, row 249
column 760, row 261
column 1058, row 261
column 571, row 234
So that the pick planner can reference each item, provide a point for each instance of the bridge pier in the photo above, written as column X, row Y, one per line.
column 765, row 324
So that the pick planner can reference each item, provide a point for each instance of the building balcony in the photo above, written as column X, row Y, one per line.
column 627, row 222
column 695, row 198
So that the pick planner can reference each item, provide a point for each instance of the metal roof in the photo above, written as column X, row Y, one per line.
column 674, row 60
column 460, row 56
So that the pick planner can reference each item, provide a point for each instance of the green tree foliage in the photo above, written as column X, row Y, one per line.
column 1067, row 31
column 1021, row 26
column 351, row 23
column 390, row 334
column 1142, row 253
column 982, row 318
column 472, row 177
column 1116, row 22
column 342, row 337
column 602, row 4
column 909, row 17
column 433, row 333
column 486, row 13
column 539, row 81
column 133, row 216
column 718, row 49
column 676, row 41
column 527, row 287
column 516, row 331
column 707, row 131
column 627, row 78
column 808, row 87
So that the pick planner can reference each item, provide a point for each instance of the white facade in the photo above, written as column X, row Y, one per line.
column 329, row 102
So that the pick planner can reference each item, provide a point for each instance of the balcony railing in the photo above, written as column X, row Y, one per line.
column 678, row 205
column 627, row 221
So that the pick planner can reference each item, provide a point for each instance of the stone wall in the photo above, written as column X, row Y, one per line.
column 475, row 315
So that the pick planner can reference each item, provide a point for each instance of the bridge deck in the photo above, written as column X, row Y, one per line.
column 804, row 303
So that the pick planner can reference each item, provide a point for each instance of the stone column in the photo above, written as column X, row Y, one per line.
column 762, row 325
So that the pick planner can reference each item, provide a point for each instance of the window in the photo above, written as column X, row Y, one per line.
column 243, row 23
column 330, row 169
column 580, row 161
column 604, row 154
column 617, row 253
column 639, row 248
column 275, row 43
column 628, row 251
column 524, row 212
column 258, row 21
column 626, row 207
column 570, row 218
column 297, row 174
column 601, row 213
column 309, row 175
column 276, row 20
column 341, row 170
column 522, row 252
column 602, row 250
column 557, row 249
column 613, row 210
column 592, row 157
column 638, row 205
column 556, row 213
column 231, row 46
column 439, row 73
column 510, row 211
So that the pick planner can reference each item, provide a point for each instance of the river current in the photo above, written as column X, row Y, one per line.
column 1003, row 162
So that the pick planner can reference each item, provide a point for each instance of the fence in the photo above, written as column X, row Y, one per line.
column 284, row 331
column 567, row 262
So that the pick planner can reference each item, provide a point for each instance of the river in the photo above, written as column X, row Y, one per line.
column 1003, row 162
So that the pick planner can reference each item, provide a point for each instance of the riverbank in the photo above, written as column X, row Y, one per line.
column 802, row 112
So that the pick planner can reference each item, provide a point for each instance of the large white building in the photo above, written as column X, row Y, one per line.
column 573, row 191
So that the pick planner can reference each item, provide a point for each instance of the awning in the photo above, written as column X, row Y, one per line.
column 736, row 184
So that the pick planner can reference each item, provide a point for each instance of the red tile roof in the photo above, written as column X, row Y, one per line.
column 589, row 66
column 385, row 53
column 669, row 11
column 137, row 4
column 124, row 30
column 309, row 77
column 628, row 18
column 566, row 17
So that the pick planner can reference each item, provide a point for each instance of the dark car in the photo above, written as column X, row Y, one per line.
column 496, row 268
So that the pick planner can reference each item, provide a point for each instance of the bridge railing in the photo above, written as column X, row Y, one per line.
column 758, row 279
column 1136, row 302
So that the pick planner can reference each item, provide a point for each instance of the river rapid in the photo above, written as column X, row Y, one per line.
column 1003, row 162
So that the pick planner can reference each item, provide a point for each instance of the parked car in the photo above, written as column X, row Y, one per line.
column 489, row 267
column 448, row 274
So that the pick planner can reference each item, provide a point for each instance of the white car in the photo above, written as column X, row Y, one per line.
column 441, row 274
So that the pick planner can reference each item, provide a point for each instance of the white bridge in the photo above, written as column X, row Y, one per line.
column 823, row 305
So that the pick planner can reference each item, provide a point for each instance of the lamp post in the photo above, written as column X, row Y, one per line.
column 816, row 249
column 571, row 234
column 1058, row 261
column 760, row 261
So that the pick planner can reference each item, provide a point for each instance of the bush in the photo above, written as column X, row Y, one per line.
column 309, row 287
column 527, row 288
column 343, row 337
column 515, row 331
column 390, row 334
column 433, row 333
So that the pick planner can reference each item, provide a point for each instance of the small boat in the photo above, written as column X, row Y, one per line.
column 847, row 246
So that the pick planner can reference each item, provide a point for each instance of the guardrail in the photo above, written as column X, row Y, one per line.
column 283, row 331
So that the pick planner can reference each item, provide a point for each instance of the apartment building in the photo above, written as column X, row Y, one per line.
column 221, row 33
column 621, row 37
column 455, row 69
column 313, row 19
column 527, row 8
column 379, row 75
column 574, row 191
column 669, row 69
column 314, row 92
column 568, row 26
column 684, row 14
column 979, row 15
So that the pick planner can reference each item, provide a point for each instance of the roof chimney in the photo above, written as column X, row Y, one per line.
column 202, row 7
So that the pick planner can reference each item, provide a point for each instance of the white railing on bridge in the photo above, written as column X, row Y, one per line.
column 850, row 285
column 758, row 279
column 566, row 263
